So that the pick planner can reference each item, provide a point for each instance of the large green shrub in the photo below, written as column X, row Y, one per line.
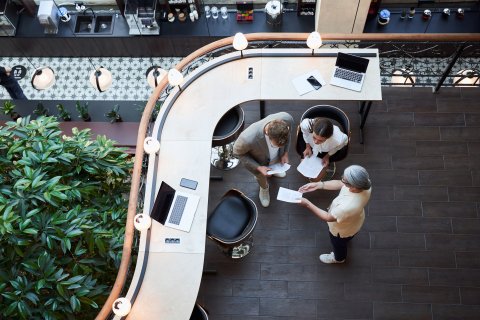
column 62, row 216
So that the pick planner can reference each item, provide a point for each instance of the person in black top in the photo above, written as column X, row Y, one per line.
column 10, row 83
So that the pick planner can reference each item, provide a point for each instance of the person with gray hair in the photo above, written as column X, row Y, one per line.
column 346, row 214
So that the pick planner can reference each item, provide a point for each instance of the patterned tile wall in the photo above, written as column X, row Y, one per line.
column 129, row 80
column 72, row 74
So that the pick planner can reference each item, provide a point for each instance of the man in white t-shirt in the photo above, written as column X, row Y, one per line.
column 264, row 143
column 346, row 213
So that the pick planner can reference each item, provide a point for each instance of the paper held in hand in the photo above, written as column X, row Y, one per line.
column 289, row 195
column 278, row 168
column 310, row 167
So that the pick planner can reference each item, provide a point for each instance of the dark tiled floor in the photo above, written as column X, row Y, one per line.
column 418, row 254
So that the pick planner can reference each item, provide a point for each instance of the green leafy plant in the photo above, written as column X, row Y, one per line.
column 64, row 114
column 155, row 112
column 40, row 110
column 63, row 207
column 8, row 109
column 83, row 111
column 113, row 114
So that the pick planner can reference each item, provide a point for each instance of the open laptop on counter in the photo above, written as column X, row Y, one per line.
column 349, row 71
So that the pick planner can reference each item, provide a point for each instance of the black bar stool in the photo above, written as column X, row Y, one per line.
column 199, row 313
column 227, row 130
column 232, row 222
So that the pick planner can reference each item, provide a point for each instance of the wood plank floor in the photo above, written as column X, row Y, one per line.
column 418, row 254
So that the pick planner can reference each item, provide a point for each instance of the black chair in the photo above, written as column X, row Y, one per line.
column 231, row 224
column 199, row 313
column 226, row 132
column 339, row 118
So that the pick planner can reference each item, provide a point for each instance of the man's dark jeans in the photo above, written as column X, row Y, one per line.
column 12, row 86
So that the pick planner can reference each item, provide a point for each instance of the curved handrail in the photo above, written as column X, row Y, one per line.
column 144, row 121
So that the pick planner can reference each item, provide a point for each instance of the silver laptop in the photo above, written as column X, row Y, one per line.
column 349, row 71
column 174, row 209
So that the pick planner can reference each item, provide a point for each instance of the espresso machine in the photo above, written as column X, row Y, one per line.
column 48, row 16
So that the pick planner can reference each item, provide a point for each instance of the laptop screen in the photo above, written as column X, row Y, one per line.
column 162, row 204
column 352, row 62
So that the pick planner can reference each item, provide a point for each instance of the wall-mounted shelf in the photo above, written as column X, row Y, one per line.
column 306, row 7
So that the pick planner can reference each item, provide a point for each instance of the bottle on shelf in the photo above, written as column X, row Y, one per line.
column 411, row 13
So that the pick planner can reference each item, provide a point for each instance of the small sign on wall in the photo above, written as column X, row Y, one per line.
column 19, row 72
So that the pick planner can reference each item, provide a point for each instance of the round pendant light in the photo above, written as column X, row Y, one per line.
column 175, row 77
column 43, row 78
column 142, row 222
column 314, row 40
column 155, row 74
column 121, row 307
column 240, row 42
column 101, row 79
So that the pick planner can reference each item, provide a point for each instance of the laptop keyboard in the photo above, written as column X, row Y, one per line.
column 177, row 211
column 348, row 75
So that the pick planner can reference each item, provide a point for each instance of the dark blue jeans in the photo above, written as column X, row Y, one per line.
column 16, row 92
column 339, row 246
column 12, row 86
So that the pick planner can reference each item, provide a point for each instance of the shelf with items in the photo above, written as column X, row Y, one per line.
column 306, row 7
column 244, row 11
column 186, row 7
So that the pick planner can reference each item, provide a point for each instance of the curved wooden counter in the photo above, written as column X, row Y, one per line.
column 167, row 276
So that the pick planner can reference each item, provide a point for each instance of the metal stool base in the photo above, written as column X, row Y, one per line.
column 222, row 157
column 331, row 169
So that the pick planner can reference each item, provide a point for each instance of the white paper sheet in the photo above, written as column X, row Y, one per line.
column 289, row 195
column 310, row 167
column 303, row 86
column 278, row 168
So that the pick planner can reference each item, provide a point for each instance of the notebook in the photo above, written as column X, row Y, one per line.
column 174, row 209
column 349, row 71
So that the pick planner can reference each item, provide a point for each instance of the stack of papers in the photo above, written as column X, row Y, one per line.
column 289, row 195
column 278, row 168
column 311, row 166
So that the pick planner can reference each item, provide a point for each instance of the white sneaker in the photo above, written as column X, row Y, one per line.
column 329, row 258
column 280, row 175
column 264, row 196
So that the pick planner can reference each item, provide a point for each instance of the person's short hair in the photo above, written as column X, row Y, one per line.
column 321, row 127
column 278, row 131
column 357, row 177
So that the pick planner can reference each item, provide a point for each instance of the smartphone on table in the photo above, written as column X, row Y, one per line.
column 314, row 82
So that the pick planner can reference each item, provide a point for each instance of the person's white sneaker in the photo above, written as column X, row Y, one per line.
column 329, row 258
column 264, row 196
column 280, row 175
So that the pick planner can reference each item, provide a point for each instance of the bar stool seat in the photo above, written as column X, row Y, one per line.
column 231, row 224
column 226, row 132
column 199, row 313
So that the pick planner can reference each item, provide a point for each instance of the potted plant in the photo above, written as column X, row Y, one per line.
column 155, row 112
column 83, row 111
column 64, row 114
column 113, row 114
column 9, row 110
column 40, row 110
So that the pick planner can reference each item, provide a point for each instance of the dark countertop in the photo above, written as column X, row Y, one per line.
column 228, row 27
column 29, row 27
column 438, row 23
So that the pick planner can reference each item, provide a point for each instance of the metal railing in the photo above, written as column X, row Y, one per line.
column 428, row 59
